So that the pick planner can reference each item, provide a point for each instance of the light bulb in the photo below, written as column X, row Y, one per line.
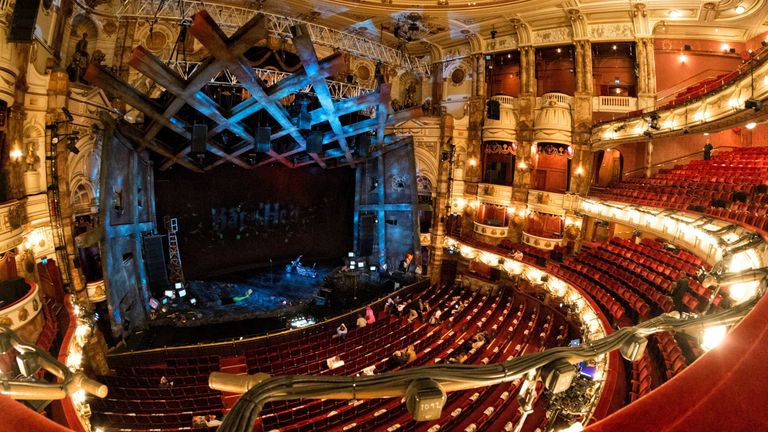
column 713, row 336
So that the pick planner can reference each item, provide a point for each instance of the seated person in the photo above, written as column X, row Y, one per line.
column 341, row 331
column 165, row 383
column 410, row 353
column 212, row 421
column 435, row 318
column 361, row 322
column 198, row 422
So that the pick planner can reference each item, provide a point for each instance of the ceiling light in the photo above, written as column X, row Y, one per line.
column 751, row 125
column 740, row 9
column 614, row 47
column 674, row 14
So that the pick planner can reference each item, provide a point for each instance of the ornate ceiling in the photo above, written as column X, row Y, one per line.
column 449, row 22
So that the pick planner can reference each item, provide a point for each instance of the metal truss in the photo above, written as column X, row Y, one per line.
column 339, row 90
column 234, row 17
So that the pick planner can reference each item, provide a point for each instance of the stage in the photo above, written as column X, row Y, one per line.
column 220, row 312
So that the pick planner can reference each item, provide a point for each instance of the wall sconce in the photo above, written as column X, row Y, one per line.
column 15, row 154
column 472, row 162
column 523, row 166
column 580, row 170
column 682, row 58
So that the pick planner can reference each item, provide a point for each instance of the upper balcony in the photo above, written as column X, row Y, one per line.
column 717, row 106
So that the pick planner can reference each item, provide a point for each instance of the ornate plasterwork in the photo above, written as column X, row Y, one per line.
column 505, row 43
column 611, row 31
column 552, row 36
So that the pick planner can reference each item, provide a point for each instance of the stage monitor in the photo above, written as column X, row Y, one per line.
column 178, row 285
column 182, row 293
column 169, row 293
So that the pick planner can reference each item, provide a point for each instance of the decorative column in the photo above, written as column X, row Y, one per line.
column 648, row 158
column 442, row 205
column 646, row 64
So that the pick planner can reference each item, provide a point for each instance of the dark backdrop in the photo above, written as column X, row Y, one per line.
column 231, row 218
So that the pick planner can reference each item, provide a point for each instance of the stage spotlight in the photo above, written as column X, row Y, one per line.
column 351, row 254
column 153, row 303
column 361, row 264
column 182, row 293
column 372, row 268
column 192, row 301
column 170, row 294
column 178, row 285
column 753, row 104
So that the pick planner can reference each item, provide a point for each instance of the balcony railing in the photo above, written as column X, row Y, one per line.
column 491, row 231
column 619, row 104
column 546, row 243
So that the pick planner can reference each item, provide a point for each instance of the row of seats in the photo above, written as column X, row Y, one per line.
column 731, row 185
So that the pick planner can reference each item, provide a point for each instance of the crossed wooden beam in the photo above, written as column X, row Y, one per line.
column 228, row 53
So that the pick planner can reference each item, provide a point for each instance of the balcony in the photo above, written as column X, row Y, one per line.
column 548, row 202
column 545, row 243
column 494, row 194
column 491, row 231
column 615, row 104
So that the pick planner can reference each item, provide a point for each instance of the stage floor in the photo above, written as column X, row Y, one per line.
column 272, row 292
column 276, row 298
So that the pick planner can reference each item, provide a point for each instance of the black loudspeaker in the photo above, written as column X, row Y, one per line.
column 363, row 144
column 494, row 110
column 199, row 139
column 732, row 51
column 154, row 260
column 686, row 47
column 315, row 142
column 263, row 137
column 23, row 21
column 763, row 43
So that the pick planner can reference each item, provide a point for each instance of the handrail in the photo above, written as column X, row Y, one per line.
column 677, row 159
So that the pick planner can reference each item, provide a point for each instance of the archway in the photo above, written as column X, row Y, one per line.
column 608, row 167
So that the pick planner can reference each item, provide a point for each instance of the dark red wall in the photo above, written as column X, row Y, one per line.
column 705, row 60
column 313, row 218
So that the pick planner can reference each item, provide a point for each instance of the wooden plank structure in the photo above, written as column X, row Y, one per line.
column 227, row 54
